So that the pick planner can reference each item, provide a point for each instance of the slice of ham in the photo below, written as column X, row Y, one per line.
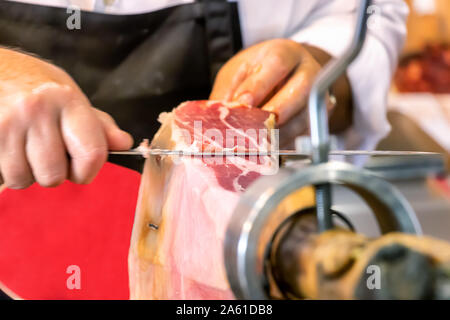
column 186, row 202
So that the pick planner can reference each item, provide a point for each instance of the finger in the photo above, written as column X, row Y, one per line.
column 46, row 152
column 85, row 140
column 14, row 167
column 291, row 98
column 265, row 76
column 116, row 138
column 227, row 81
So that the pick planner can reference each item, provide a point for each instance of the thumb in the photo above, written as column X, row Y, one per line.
column 116, row 138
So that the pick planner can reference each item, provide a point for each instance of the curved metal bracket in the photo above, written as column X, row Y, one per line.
column 318, row 117
column 252, row 223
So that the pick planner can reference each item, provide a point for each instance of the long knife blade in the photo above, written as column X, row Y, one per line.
column 166, row 152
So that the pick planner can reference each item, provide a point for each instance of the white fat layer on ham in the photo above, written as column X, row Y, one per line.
column 204, row 262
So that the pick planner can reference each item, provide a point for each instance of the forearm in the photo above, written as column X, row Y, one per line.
column 24, row 72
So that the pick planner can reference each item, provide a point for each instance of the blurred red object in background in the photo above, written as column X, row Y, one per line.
column 428, row 71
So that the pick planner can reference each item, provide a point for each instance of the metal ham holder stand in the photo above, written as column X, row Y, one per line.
column 257, row 216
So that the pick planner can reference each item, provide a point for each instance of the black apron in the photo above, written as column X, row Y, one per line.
column 132, row 66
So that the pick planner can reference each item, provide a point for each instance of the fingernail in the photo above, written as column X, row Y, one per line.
column 126, row 137
column 269, row 108
column 245, row 98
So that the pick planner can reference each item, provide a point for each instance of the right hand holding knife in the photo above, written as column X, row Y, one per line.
column 49, row 132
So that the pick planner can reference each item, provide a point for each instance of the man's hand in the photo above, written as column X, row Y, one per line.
column 49, row 132
column 277, row 75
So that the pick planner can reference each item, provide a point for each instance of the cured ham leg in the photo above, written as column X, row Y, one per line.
column 185, row 203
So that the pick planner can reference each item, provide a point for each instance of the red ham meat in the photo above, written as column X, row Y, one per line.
column 186, row 202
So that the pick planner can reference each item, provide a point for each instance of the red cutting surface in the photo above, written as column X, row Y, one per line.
column 44, row 231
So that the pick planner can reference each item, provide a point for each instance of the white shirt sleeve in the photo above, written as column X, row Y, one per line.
column 330, row 26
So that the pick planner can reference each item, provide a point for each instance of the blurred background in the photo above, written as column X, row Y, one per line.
column 419, row 113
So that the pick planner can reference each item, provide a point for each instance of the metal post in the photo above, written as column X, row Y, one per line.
column 318, row 117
